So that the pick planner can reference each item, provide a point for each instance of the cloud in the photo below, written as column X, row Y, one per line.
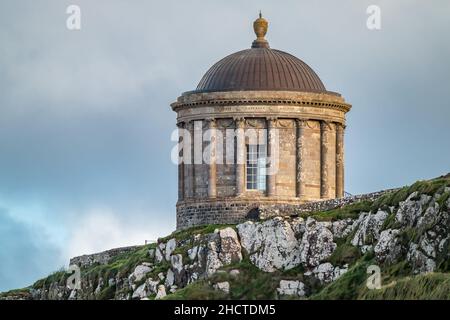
column 100, row 229
column 85, row 122
column 26, row 254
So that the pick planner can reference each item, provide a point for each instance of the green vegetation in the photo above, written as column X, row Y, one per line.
column 428, row 286
column 345, row 253
column 252, row 283
column 187, row 233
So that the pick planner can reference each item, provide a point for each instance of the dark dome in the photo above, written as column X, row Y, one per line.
column 260, row 68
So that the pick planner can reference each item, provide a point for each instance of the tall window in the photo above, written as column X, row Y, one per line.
column 256, row 167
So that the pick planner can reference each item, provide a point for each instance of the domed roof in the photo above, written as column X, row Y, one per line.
column 260, row 68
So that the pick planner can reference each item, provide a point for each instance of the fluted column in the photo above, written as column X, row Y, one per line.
column 339, row 160
column 181, row 155
column 212, row 168
column 271, row 141
column 240, row 156
column 189, row 173
column 324, row 138
column 300, row 161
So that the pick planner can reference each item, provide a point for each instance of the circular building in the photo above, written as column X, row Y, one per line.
column 260, row 130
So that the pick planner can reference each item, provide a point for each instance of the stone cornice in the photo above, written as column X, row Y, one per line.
column 321, row 100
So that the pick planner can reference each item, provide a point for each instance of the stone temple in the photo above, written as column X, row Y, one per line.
column 287, row 137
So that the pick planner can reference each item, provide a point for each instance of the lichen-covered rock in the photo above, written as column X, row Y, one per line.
column 342, row 228
column 271, row 244
column 291, row 288
column 419, row 261
column 222, row 286
column 317, row 243
column 411, row 209
column 159, row 257
column 230, row 248
column 326, row 272
column 161, row 293
column 140, row 271
column 140, row 292
column 388, row 248
column 368, row 227
column 170, row 246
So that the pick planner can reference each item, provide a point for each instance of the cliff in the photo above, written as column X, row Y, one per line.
column 402, row 235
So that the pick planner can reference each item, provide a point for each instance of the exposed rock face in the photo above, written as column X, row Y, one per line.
column 326, row 272
column 272, row 244
column 222, row 286
column 415, row 231
column 291, row 288
column 317, row 243
column 368, row 227
column 388, row 248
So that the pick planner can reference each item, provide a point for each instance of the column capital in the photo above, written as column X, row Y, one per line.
column 300, row 122
column 325, row 125
column 239, row 121
column 181, row 124
column 272, row 121
column 212, row 122
column 340, row 126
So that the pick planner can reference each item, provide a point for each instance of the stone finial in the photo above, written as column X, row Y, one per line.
column 260, row 27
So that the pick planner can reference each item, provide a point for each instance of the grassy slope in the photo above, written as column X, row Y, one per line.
column 255, row 284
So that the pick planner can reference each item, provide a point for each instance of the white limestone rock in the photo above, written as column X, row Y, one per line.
column 419, row 261
column 388, row 248
column 271, row 244
column 411, row 209
column 177, row 262
column 161, row 293
column 213, row 262
column 192, row 253
column 140, row 292
column 342, row 228
column 368, row 228
column 222, row 286
column 230, row 248
column 234, row 273
column 170, row 278
column 140, row 272
column 317, row 243
column 291, row 288
column 170, row 246
column 159, row 257
column 327, row 273
column 152, row 286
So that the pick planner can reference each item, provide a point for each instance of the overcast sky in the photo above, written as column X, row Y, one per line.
column 85, row 121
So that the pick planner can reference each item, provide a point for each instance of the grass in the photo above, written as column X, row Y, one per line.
column 203, row 229
column 350, row 211
column 349, row 284
column 345, row 253
column 433, row 286
column 23, row 293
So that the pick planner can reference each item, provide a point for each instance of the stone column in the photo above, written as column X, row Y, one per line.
column 300, row 160
column 324, row 137
column 212, row 167
column 240, row 156
column 339, row 160
column 181, row 154
column 271, row 176
column 189, row 173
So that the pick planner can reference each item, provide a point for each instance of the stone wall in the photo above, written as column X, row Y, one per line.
column 235, row 210
column 271, row 210
column 100, row 258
